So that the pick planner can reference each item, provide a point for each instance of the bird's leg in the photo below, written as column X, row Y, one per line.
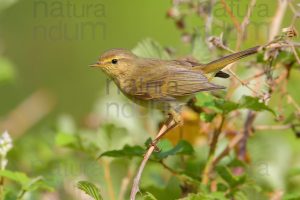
column 176, row 116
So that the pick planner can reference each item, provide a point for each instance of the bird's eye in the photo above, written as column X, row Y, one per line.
column 114, row 61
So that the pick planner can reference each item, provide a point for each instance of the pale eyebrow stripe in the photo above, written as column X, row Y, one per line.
column 108, row 59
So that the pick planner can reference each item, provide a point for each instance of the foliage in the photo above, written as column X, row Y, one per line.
column 90, row 189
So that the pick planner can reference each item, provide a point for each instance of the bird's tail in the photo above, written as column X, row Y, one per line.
column 219, row 64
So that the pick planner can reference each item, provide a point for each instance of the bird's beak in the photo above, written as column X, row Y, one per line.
column 95, row 65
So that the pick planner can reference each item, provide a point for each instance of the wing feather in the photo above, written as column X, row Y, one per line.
column 168, row 82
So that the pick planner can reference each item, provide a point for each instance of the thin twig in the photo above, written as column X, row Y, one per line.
column 246, row 84
column 244, row 24
column 233, row 18
column 170, row 124
column 273, row 127
column 108, row 180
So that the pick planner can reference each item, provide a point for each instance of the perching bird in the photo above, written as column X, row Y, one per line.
column 164, row 84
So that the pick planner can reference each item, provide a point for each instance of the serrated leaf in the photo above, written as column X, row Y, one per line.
column 226, row 106
column 90, row 189
column 148, row 48
column 182, row 148
column 127, row 151
column 253, row 103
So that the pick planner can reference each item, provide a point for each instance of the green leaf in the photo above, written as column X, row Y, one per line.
column 253, row 103
column 126, row 151
column 226, row 106
column 19, row 177
column 207, row 100
column 226, row 175
column 149, row 48
column 26, row 183
column 149, row 196
column 182, row 148
column 222, row 187
column 229, row 178
column 207, row 117
column 37, row 183
column 90, row 189
column 7, row 72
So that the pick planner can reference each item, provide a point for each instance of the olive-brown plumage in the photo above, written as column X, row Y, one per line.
column 167, row 84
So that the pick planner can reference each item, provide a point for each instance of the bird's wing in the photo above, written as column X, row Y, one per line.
column 167, row 82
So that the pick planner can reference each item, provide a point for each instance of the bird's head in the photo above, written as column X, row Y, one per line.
column 115, row 62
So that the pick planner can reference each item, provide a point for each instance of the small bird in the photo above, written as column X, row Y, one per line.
column 163, row 84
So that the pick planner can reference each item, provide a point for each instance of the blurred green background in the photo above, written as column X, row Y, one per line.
column 61, row 64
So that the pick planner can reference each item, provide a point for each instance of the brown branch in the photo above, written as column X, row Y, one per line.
column 170, row 124
column 246, row 132
column 244, row 24
column 233, row 18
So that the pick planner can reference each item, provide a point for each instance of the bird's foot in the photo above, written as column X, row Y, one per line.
column 176, row 117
